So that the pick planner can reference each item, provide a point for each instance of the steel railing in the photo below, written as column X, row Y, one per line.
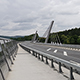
column 71, row 66
column 8, row 52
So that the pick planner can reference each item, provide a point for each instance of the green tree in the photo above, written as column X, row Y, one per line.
column 78, row 40
column 72, row 41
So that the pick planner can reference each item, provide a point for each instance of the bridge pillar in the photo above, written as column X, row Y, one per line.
column 49, row 32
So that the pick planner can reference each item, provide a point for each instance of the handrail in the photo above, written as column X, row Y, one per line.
column 72, row 67
column 8, row 52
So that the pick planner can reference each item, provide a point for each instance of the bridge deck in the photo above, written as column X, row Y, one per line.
column 27, row 67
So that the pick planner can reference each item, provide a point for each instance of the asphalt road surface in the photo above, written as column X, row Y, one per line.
column 64, row 53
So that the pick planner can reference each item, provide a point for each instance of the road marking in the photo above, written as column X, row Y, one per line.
column 55, row 51
column 75, row 62
column 49, row 49
column 60, row 47
column 65, row 53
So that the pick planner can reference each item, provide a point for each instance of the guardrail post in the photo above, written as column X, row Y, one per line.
column 2, row 74
column 42, row 58
column 35, row 54
column 29, row 51
column 46, row 60
column 71, row 74
column 60, row 70
column 38, row 56
column 52, row 65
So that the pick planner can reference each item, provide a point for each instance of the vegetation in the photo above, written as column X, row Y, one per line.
column 67, row 37
column 71, row 36
column 28, row 38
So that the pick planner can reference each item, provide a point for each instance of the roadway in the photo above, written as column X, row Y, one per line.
column 64, row 53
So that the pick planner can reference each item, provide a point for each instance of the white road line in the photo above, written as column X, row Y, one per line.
column 55, row 51
column 65, row 53
column 49, row 49
column 75, row 62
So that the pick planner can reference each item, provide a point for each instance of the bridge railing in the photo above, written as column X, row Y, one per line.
column 8, row 52
column 71, row 66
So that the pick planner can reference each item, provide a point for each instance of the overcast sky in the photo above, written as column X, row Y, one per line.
column 24, row 17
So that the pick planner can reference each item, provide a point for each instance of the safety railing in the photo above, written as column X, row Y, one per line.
column 61, row 62
column 8, row 52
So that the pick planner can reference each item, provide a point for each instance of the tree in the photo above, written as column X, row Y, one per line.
column 72, row 41
column 78, row 40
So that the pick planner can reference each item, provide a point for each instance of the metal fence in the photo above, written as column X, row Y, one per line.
column 8, row 52
column 40, row 55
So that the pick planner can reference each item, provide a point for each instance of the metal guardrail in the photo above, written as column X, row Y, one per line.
column 8, row 52
column 72, row 67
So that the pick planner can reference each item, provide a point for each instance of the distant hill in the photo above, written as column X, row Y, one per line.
column 10, row 36
column 5, row 36
column 23, row 38
column 71, row 36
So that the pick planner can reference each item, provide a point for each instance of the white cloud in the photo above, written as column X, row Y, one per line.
column 23, row 17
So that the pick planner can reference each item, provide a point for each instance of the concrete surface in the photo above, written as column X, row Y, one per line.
column 27, row 67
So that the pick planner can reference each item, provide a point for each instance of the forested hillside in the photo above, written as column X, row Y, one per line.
column 71, row 36
column 28, row 38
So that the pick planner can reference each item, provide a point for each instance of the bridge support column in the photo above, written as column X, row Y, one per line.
column 71, row 74
column 49, row 32
column 60, row 70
